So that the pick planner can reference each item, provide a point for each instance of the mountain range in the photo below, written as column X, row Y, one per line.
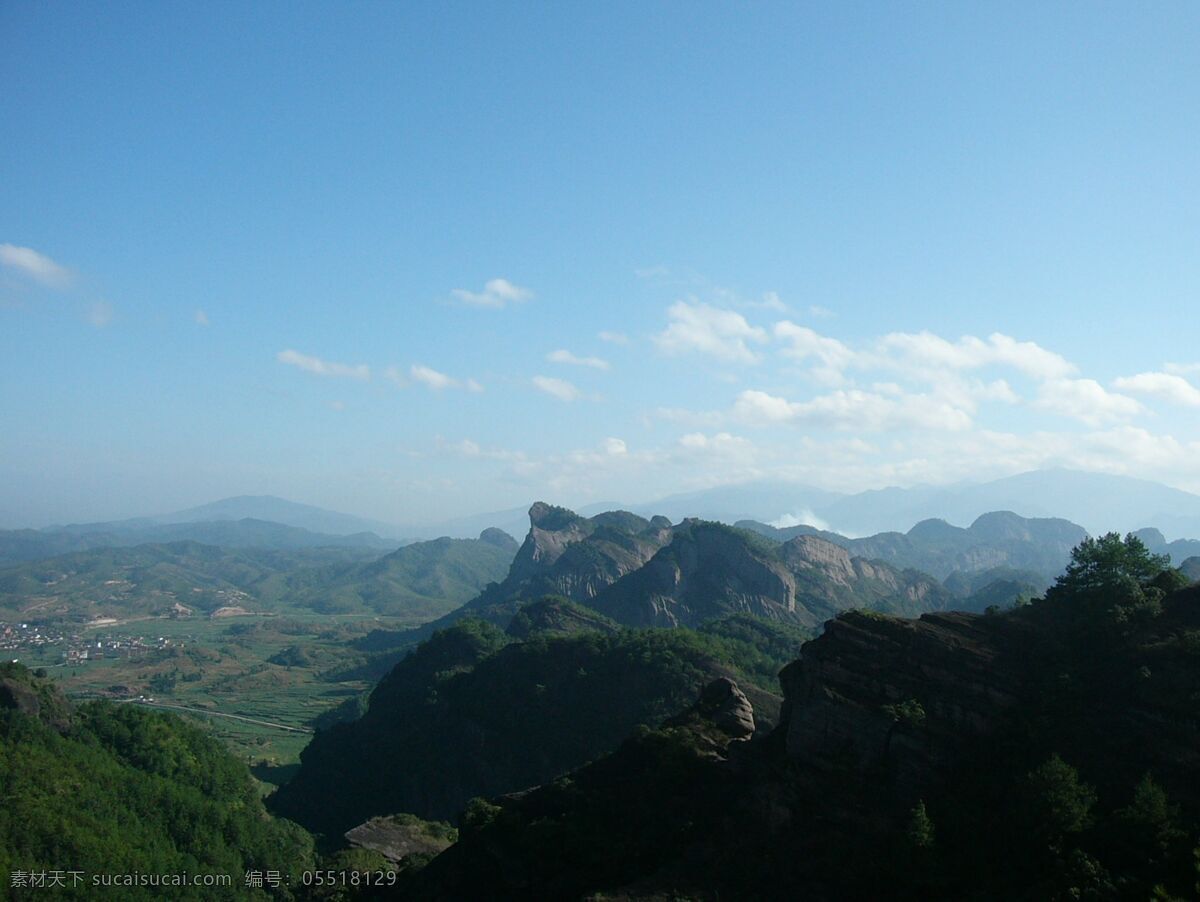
column 1042, row 753
column 1098, row 502
column 417, row 582
column 647, row 572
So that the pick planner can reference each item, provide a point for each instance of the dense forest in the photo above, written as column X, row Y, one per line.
column 105, row 789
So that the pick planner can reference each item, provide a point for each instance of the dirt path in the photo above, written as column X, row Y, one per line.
column 264, row 723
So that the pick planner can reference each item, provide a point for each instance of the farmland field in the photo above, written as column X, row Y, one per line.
column 282, row 671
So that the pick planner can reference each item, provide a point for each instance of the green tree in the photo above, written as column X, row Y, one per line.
column 920, row 831
column 1060, row 802
column 1099, row 564
column 1113, row 576
column 1150, row 829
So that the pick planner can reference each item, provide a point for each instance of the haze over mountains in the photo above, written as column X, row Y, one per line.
column 1096, row 501
column 995, row 556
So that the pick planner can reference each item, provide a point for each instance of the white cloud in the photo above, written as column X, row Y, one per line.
column 1182, row 369
column 496, row 293
column 1168, row 386
column 431, row 378
column 201, row 318
column 720, row 442
column 923, row 357
column 924, row 350
column 435, row 380
column 710, row 330
column 564, row 356
column 855, row 409
column 319, row 367
column 770, row 301
column 816, row 311
column 616, row 338
column 472, row 449
column 615, row 447
column 802, row 517
column 833, row 356
column 100, row 314
column 1085, row 400
column 557, row 388
column 35, row 266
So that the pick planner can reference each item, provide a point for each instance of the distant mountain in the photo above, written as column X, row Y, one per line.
column 426, row 579
column 419, row 581
column 763, row 500
column 514, row 521
column 33, row 544
column 998, row 539
column 1179, row 550
column 280, row 510
column 1191, row 568
column 1099, row 502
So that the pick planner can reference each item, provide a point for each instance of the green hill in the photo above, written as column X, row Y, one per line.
column 419, row 581
column 113, row 789
column 472, row 712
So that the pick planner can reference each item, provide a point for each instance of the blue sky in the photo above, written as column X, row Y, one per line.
column 414, row 260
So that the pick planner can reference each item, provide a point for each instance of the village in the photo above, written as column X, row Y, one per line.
column 48, row 645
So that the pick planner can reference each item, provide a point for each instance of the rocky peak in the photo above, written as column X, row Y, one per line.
column 498, row 538
column 806, row 551
column 722, row 702
column 550, row 518
column 936, row 531
column 1152, row 538
column 565, row 554
column 551, row 530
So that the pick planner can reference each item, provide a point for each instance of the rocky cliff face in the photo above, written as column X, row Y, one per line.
column 708, row 570
column 711, row 570
column 576, row 557
column 878, row 691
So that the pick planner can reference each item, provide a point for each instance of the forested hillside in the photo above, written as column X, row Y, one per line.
column 107, row 789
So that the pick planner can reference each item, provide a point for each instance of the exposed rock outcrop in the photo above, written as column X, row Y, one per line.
column 722, row 702
column 19, row 697
column 398, row 838
column 711, row 570
column 878, row 691
column 576, row 557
